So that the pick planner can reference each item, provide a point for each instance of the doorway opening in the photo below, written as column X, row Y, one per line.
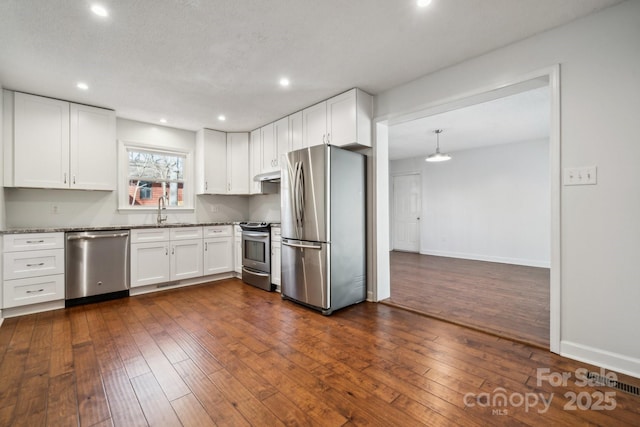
column 488, row 237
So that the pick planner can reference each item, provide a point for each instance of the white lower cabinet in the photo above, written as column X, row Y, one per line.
column 218, row 255
column 218, row 249
column 149, row 263
column 186, row 259
column 275, row 256
column 32, row 269
column 237, row 247
column 161, row 255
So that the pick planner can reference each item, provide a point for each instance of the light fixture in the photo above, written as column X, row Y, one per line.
column 438, row 156
column 99, row 10
column 222, row 118
column 284, row 82
column 163, row 120
column 423, row 3
column 82, row 86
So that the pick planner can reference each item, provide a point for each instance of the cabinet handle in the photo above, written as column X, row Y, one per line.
column 328, row 138
column 35, row 292
column 65, row 177
column 206, row 185
column 229, row 187
column 40, row 264
column 74, row 179
column 166, row 251
column 206, row 246
column 35, row 241
column 173, row 250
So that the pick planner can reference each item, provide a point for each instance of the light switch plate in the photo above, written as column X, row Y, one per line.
column 586, row 175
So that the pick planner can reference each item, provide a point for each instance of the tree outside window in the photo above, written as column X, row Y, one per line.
column 154, row 174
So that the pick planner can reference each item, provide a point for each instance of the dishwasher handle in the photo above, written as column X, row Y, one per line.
column 97, row 236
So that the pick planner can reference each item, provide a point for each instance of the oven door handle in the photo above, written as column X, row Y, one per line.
column 255, row 273
column 261, row 235
column 298, row 245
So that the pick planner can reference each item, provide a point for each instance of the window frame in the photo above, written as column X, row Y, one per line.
column 188, row 190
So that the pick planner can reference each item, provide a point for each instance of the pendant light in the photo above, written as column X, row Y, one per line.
column 438, row 156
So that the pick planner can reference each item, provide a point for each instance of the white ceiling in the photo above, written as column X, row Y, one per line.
column 191, row 60
column 514, row 118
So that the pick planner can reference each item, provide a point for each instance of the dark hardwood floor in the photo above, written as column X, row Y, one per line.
column 229, row 354
column 511, row 301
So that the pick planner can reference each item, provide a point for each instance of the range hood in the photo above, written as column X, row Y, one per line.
column 268, row 177
column 269, row 182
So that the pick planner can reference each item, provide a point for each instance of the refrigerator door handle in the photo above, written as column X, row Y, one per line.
column 299, row 245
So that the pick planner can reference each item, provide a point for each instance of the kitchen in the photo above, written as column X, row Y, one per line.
column 27, row 208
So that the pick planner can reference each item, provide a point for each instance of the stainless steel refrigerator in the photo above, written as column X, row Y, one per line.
column 323, row 228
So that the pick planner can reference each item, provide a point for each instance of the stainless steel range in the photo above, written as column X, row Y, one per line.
column 256, row 254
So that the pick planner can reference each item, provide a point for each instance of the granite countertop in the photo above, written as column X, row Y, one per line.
column 112, row 227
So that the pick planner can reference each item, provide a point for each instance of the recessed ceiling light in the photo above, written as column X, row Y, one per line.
column 423, row 3
column 99, row 10
column 82, row 86
column 284, row 82
column 222, row 118
column 163, row 120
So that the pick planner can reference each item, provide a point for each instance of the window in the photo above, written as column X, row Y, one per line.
column 154, row 173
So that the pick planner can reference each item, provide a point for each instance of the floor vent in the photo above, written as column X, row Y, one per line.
column 600, row 380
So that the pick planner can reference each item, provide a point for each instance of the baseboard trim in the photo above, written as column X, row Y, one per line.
column 601, row 358
column 489, row 258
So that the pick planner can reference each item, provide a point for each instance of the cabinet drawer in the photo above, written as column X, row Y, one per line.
column 276, row 234
column 217, row 231
column 182, row 233
column 19, row 265
column 33, row 290
column 144, row 235
column 32, row 241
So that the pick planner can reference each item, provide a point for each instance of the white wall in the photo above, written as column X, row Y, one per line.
column 600, row 229
column 33, row 207
column 490, row 204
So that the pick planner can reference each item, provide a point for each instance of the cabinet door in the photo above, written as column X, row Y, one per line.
column 314, row 125
column 237, row 260
column 295, row 131
column 186, row 259
column 238, row 163
column 268, row 148
column 341, row 119
column 215, row 162
column 92, row 144
column 275, row 264
column 41, row 142
column 150, row 263
column 281, row 135
column 255, row 165
column 218, row 255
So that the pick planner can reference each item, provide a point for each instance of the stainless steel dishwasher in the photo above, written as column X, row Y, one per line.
column 97, row 266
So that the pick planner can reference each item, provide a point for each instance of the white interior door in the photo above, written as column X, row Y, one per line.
column 406, row 212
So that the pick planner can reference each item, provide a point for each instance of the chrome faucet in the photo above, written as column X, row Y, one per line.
column 162, row 206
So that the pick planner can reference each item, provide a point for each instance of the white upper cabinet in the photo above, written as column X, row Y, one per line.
column 211, row 162
column 295, row 131
column 92, row 148
column 268, row 148
column 255, row 161
column 344, row 120
column 281, row 143
column 238, row 163
column 58, row 144
column 274, row 145
column 222, row 162
column 314, row 125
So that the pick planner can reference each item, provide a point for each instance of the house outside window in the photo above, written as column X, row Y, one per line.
column 150, row 173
